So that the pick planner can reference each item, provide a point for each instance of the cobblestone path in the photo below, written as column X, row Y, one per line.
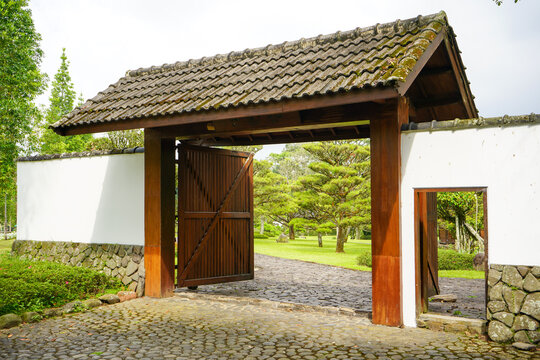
column 178, row 328
column 301, row 282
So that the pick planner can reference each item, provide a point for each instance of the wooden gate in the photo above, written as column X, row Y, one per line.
column 215, row 216
column 428, row 246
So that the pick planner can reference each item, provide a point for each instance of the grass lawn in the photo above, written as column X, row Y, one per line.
column 5, row 245
column 308, row 250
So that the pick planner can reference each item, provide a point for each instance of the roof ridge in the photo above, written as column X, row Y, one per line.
column 293, row 45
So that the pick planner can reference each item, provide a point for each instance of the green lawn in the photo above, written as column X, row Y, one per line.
column 307, row 250
column 5, row 245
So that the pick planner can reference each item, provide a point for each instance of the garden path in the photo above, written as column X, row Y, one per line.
column 179, row 328
column 308, row 283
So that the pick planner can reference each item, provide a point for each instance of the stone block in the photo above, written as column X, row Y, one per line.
column 111, row 264
column 523, row 270
column 496, row 267
column 131, row 268
column 9, row 320
column 109, row 299
column 135, row 277
column 499, row 332
column 495, row 293
column 534, row 336
column 125, row 261
column 114, row 272
column 531, row 283
column 512, row 277
column 140, row 287
column 92, row 303
column 126, row 295
column 493, row 277
column 524, row 346
column 504, row 317
column 142, row 272
column 73, row 306
column 521, row 336
column 496, row 306
column 136, row 258
column 524, row 322
column 132, row 286
column 531, row 305
column 513, row 298
column 53, row 312
column 126, row 280
column 444, row 298
column 536, row 271
column 30, row 317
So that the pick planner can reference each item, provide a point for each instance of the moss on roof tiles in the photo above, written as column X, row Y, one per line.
column 377, row 56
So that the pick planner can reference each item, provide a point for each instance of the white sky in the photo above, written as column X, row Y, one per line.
column 105, row 38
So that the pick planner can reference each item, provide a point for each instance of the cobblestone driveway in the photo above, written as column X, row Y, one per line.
column 178, row 328
column 301, row 282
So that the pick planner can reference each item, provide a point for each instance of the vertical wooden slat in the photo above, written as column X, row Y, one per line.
column 385, row 215
column 159, row 213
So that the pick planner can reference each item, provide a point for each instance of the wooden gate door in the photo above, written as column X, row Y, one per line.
column 428, row 245
column 215, row 216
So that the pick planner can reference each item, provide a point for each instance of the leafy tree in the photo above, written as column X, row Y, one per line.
column 459, row 208
column 292, row 162
column 20, row 83
column 62, row 101
column 273, row 197
column 246, row 148
column 339, row 187
column 117, row 140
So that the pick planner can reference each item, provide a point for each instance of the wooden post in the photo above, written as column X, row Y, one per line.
column 159, row 157
column 385, row 215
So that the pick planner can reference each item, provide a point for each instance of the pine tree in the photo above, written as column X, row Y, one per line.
column 62, row 101
column 339, row 188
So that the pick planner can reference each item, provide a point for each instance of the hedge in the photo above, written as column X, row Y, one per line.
column 448, row 260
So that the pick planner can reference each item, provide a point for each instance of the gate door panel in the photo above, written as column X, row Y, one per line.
column 215, row 216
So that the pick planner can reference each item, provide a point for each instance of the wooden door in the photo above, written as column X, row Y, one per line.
column 427, row 232
column 215, row 216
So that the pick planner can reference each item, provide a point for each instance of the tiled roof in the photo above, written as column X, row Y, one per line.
column 43, row 157
column 377, row 56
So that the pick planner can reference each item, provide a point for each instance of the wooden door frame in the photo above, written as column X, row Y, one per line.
column 421, row 302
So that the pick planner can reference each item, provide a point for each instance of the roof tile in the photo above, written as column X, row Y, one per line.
column 380, row 55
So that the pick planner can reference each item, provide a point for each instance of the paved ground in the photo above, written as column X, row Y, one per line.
column 315, row 284
column 178, row 328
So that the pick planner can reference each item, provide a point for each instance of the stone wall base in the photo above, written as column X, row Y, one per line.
column 513, row 304
column 125, row 262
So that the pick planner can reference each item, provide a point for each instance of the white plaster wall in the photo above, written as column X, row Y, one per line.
column 97, row 199
column 506, row 160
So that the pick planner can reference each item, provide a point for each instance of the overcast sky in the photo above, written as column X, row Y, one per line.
column 105, row 38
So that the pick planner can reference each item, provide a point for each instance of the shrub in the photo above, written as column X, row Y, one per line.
column 33, row 285
column 364, row 258
column 452, row 260
column 448, row 260
column 260, row 236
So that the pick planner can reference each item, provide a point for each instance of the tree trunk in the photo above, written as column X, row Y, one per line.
column 5, row 216
column 458, row 236
column 291, row 232
column 340, row 239
column 347, row 232
column 477, row 236
column 358, row 233
column 261, row 230
column 319, row 238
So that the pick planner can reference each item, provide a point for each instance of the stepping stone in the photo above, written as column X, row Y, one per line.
column 524, row 346
column 444, row 298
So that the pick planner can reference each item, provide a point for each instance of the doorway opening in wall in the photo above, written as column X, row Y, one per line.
column 278, row 229
column 451, row 250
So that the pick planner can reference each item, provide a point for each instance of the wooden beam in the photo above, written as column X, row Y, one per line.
column 438, row 101
column 242, row 111
column 277, row 138
column 435, row 71
column 385, row 215
column 347, row 115
column 159, row 217
column 461, row 78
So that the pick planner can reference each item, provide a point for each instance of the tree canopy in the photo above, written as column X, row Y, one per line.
column 21, row 81
column 61, row 102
